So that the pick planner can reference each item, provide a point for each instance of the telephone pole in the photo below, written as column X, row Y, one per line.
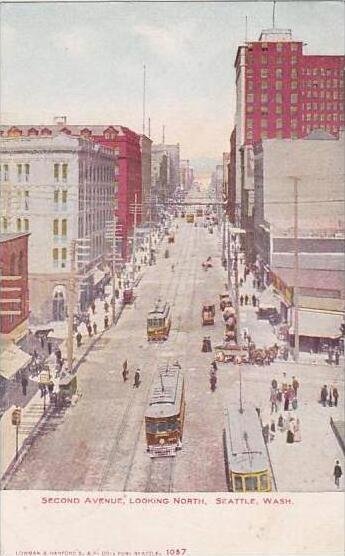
column 71, row 306
column 296, row 268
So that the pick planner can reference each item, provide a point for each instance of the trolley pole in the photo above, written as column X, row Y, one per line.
column 71, row 305
column 296, row 269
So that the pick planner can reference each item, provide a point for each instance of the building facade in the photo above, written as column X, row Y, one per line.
column 14, row 286
column 61, row 189
column 281, row 92
column 146, row 178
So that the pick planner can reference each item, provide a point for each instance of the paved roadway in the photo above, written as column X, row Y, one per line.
column 99, row 444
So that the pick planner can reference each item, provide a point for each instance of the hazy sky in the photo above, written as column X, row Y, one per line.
column 85, row 60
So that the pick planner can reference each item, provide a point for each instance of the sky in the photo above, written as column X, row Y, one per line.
column 85, row 61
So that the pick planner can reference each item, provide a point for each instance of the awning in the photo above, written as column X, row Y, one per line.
column 269, row 299
column 318, row 324
column 12, row 360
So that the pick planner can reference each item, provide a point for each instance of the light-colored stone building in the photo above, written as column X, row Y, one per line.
column 59, row 188
column 146, row 177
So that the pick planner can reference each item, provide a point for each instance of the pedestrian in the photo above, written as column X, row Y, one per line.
column 330, row 356
column 49, row 346
column 274, row 384
column 279, row 398
column 136, row 379
column 295, row 385
column 258, row 284
column 106, row 321
column 253, row 300
column 24, row 381
column 254, row 283
column 272, row 430
column 246, row 299
column 337, row 473
column 106, row 307
column 273, row 400
column 89, row 329
column 286, row 400
column 50, row 389
column 241, row 300
column 336, row 356
column 94, row 326
column 78, row 338
column 93, row 307
column 324, row 395
column 335, row 396
column 297, row 431
column 330, row 397
column 290, row 432
column 43, row 389
column 280, row 423
column 124, row 374
column 42, row 342
column 241, row 282
column 214, row 365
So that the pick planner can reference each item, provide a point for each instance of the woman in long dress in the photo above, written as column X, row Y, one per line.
column 290, row 433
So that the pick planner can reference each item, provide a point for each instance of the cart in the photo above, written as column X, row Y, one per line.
column 128, row 296
column 207, row 314
column 230, row 352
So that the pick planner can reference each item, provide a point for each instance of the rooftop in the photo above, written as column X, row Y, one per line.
column 9, row 237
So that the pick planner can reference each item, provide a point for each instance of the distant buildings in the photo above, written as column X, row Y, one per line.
column 59, row 188
column 186, row 175
column 169, row 178
column 280, row 93
column 14, row 288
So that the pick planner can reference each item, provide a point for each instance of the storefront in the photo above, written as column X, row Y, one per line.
column 317, row 330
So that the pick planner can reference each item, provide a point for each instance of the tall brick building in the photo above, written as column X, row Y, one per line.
column 281, row 92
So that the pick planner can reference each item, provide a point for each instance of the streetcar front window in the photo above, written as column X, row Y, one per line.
column 238, row 483
column 251, row 483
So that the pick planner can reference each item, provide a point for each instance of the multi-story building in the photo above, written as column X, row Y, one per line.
column 186, row 175
column 126, row 144
column 14, row 288
column 160, row 173
column 281, row 92
column 173, row 159
column 59, row 188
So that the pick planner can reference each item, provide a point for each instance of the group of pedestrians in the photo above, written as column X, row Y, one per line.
column 329, row 396
column 246, row 300
column 125, row 374
column 286, row 393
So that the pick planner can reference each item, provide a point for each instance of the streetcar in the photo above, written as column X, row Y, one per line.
column 159, row 321
column 246, row 457
column 199, row 212
column 164, row 417
column 190, row 218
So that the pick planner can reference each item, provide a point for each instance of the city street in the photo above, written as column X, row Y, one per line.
column 100, row 444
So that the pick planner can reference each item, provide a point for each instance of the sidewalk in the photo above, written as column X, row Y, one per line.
column 33, row 413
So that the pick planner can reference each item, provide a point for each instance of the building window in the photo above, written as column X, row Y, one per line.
column 5, row 172
column 279, row 85
column 250, row 97
column 26, row 200
column 264, row 123
column 335, row 94
column 293, row 73
column 63, row 257
column 279, row 123
column 64, row 198
column 279, row 109
column 55, row 227
column 335, row 117
column 264, row 73
column 250, row 85
column 19, row 172
column 279, row 73
column 293, row 108
column 315, row 105
column 64, row 227
column 308, row 117
column 56, row 172
column 279, row 98
column 55, row 257
column 322, row 117
column 279, row 60
column 315, row 71
column 293, row 84
column 294, row 98
column 26, row 224
column 293, row 124
column 279, row 134
column 249, row 123
column 19, row 225
column 56, row 196
column 264, row 110
column 264, row 46
column 293, row 59
column 264, row 60
column 264, row 135
column 264, row 97
column 27, row 171
column 264, row 85
column 249, row 135
column 249, row 108
column 294, row 46
column 64, row 172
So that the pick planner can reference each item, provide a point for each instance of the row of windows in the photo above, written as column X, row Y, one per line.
column 279, row 46
column 97, row 173
column 264, row 98
column 278, row 123
column 277, row 135
column 323, row 71
column 264, row 59
column 315, row 93
column 321, row 117
column 266, row 73
column 60, row 227
column 323, row 106
column 22, row 172
column 22, row 224
column 327, row 84
column 327, row 127
column 278, row 85
column 60, row 171
column 60, row 196
column 59, row 257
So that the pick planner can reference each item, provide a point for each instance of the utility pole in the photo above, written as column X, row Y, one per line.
column 134, row 236
column 71, row 306
column 113, row 270
column 296, row 269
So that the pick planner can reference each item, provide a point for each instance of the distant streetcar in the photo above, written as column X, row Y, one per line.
column 246, row 458
column 164, row 417
column 159, row 321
